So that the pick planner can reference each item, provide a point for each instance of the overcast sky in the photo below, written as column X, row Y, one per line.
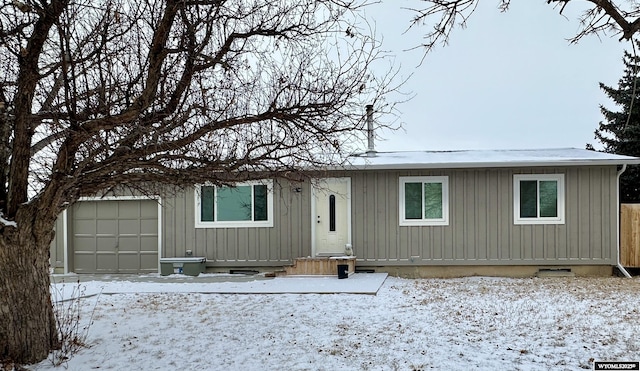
column 507, row 81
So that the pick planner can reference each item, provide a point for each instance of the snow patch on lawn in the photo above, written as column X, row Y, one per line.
column 411, row 324
column 360, row 283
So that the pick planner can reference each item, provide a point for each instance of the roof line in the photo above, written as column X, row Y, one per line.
column 466, row 165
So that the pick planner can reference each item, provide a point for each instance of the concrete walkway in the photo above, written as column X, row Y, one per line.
column 156, row 277
column 358, row 283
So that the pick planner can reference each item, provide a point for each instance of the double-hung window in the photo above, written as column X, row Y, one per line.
column 424, row 200
column 248, row 204
column 538, row 199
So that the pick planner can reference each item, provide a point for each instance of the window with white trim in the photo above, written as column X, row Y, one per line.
column 248, row 204
column 424, row 200
column 538, row 199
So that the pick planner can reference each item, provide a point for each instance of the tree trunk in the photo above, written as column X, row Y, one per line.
column 27, row 323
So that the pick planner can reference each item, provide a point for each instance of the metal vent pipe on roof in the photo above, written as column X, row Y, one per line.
column 370, row 134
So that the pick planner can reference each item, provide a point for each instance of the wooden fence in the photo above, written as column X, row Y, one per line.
column 630, row 235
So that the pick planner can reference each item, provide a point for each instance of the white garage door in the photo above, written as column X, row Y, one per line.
column 115, row 236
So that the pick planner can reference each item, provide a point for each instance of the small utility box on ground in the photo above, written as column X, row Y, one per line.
column 189, row 266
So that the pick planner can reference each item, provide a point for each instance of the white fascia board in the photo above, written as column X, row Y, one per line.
column 501, row 164
column 119, row 198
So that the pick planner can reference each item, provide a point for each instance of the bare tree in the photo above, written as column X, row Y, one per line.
column 108, row 93
column 599, row 17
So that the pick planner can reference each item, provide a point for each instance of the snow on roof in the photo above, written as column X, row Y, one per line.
column 486, row 158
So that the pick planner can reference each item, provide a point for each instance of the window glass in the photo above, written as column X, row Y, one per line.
column 260, row 202
column 234, row 203
column 413, row 200
column 432, row 200
column 424, row 201
column 207, row 204
column 332, row 213
column 538, row 199
column 528, row 199
column 248, row 204
column 548, row 198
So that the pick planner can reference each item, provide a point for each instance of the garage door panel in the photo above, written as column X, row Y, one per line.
column 129, row 244
column 85, row 262
column 106, row 263
column 129, row 226
column 108, row 227
column 129, row 262
column 85, row 244
column 149, row 210
column 107, row 209
column 149, row 262
column 107, row 244
column 149, row 243
column 84, row 210
column 129, row 209
column 115, row 236
column 149, row 227
column 84, row 227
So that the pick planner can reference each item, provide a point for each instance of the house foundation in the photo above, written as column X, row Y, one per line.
column 492, row 271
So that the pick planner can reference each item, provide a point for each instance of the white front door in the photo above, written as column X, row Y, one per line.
column 331, row 216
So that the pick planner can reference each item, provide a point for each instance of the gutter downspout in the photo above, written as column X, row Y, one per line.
column 619, row 266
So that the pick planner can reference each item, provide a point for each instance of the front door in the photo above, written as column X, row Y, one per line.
column 331, row 216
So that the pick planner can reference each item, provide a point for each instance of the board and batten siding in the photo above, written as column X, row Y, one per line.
column 288, row 239
column 481, row 228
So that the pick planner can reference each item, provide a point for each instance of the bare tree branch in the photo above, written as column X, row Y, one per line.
column 601, row 17
column 27, row 80
column 180, row 91
column 98, row 95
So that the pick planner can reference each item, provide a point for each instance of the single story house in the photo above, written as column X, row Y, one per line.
column 428, row 213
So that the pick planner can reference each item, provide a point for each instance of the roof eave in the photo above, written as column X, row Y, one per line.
column 502, row 164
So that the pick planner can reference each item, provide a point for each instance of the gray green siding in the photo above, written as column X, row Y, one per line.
column 288, row 239
column 481, row 228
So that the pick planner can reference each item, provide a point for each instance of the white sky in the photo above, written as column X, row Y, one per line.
column 507, row 81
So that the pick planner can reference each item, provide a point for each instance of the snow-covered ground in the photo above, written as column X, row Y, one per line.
column 444, row 324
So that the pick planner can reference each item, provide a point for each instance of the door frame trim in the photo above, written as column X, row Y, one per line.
column 65, row 222
column 313, row 209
